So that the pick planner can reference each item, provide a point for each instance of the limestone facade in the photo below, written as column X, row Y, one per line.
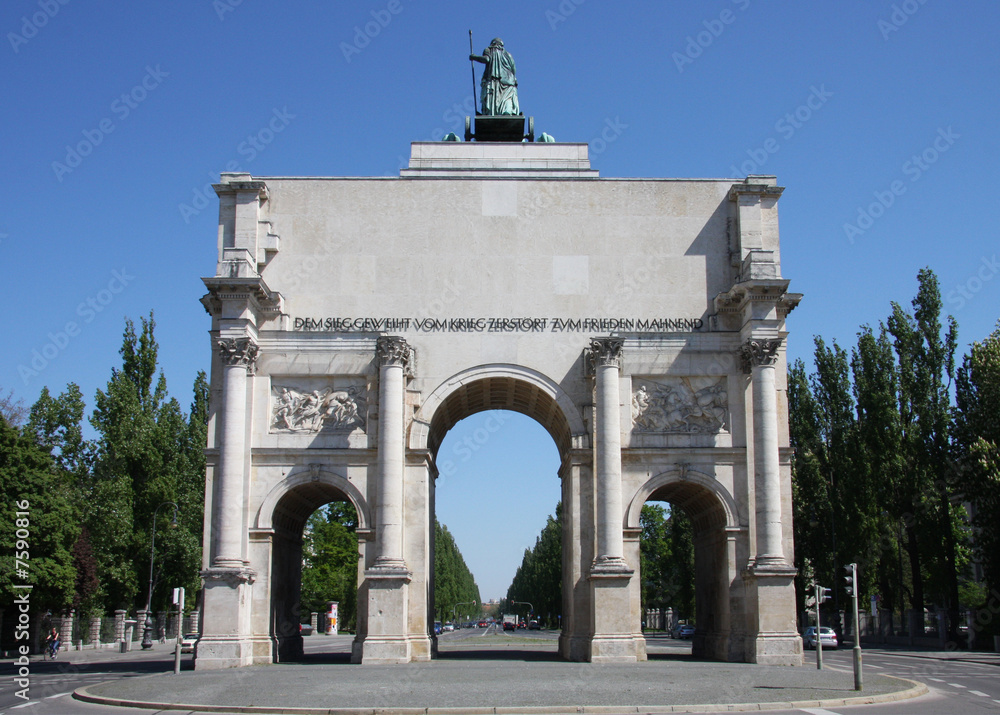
column 640, row 321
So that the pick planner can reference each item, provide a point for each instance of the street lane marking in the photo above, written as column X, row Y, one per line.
column 818, row 711
column 957, row 685
column 936, row 680
column 58, row 695
column 25, row 705
column 979, row 693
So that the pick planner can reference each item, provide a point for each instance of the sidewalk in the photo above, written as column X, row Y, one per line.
column 524, row 682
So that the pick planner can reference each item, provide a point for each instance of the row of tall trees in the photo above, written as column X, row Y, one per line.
column 330, row 562
column 92, row 502
column 538, row 580
column 666, row 552
column 453, row 582
column 891, row 441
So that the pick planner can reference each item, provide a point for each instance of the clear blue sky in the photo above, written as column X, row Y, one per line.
column 836, row 99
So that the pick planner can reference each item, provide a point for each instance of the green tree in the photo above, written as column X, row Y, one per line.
column 330, row 562
column 978, row 449
column 538, row 580
column 453, row 582
column 31, row 482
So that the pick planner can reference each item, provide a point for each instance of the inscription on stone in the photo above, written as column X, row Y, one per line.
column 685, row 404
column 498, row 325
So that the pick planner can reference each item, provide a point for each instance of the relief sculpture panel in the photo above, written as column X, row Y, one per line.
column 685, row 404
column 325, row 409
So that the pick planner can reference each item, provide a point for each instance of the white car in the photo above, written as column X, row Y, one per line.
column 188, row 641
column 827, row 637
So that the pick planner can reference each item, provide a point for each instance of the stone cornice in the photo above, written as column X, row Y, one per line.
column 762, row 190
column 758, row 291
column 231, row 187
column 265, row 303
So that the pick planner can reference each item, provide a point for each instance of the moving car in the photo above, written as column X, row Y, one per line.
column 534, row 626
column 827, row 637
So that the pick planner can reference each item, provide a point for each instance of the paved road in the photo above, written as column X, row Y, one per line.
column 963, row 684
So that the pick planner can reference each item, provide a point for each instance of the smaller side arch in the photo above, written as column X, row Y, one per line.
column 319, row 480
column 689, row 486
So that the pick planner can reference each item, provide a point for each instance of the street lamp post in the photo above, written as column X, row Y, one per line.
column 147, row 633
column 531, row 609
column 454, row 611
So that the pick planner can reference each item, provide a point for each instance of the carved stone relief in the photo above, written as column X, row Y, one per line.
column 685, row 404
column 325, row 409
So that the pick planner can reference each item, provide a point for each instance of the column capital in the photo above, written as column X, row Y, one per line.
column 757, row 353
column 606, row 352
column 239, row 351
column 391, row 350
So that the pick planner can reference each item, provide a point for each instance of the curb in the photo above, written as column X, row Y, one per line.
column 915, row 690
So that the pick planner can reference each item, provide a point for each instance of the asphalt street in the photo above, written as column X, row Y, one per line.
column 959, row 683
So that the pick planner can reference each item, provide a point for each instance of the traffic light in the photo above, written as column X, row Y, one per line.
column 851, row 578
column 825, row 594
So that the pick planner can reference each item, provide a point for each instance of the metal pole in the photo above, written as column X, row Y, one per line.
column 180, row 630
column 817, row 642
column 858, row 679
column 472, row 67
column 147, row 633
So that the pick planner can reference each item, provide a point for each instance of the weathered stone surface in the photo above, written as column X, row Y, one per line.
column 479, row 279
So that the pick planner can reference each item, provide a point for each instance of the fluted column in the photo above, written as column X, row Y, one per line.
column 393, row 355
column 759, row 358
column 606, row 354
column 239, row 358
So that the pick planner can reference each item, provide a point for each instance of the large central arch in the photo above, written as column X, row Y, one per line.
column 641, row 322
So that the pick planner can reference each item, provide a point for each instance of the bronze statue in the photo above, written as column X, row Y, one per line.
column 499, row 83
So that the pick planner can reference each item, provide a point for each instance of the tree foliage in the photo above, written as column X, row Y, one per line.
column 330, row 562
column 538, row 580
column 874, row 477
column 453, row 582
column 666, row 549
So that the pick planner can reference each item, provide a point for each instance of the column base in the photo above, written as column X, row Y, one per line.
column 219, row 652
column 612, row 640
column 774, row 639
column 387, row 641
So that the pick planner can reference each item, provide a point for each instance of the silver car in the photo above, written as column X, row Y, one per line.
column 827, row 637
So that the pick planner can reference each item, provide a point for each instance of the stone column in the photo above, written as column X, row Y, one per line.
column 760, row 357
column 95, row 631
column 239, row 360
column 607, row 356
column 615, row 636
column 388, row 638
column 393, row 355
column 120, row 625
column 66, row 629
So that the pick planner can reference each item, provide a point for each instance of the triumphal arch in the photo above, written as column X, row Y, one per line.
column 640, row 321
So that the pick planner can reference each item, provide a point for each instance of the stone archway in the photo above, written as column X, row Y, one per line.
column 528, row 392
column 278, row 533
column 640, row 321
column 717, row 527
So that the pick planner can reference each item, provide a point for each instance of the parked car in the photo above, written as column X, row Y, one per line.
column 305, row 629
column 683, row 630
column 188, row 642
column 448, row 628
column 827, row 637
column 437, row 628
